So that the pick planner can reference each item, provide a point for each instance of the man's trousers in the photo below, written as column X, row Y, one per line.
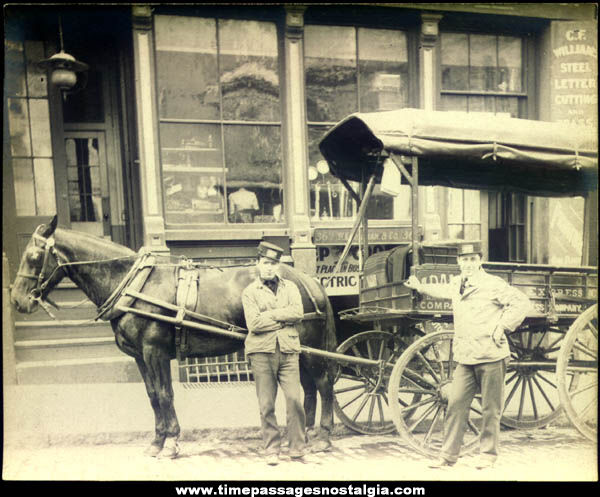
column 488, row 378
column 269, row 370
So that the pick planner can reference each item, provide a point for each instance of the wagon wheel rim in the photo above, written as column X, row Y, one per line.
column 531, row 398
column 577, row 373
column 427, row 367
column 360, row 392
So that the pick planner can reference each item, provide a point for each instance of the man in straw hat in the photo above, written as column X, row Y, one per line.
column 273, row 307
column 485, row 308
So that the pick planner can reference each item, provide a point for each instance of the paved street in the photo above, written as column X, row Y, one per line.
column 555, row 453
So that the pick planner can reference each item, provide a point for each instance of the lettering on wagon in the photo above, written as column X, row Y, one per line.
column 435, row 305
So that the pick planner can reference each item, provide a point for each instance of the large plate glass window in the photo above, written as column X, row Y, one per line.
column 349, row 69
column 220, row 125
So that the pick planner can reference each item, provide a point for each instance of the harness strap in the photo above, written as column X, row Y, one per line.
column 317, row 311
column 143, row 265
column 186, row 300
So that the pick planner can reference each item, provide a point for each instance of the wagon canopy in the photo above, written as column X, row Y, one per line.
column 468, row 150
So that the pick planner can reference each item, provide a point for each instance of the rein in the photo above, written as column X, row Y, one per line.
column 42, row 281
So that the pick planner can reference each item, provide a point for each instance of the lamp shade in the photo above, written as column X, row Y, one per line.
column 64, row 68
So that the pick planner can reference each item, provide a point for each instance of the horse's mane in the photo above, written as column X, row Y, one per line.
column 108, row 246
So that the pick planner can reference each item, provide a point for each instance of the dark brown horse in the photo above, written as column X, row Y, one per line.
column 97, row 266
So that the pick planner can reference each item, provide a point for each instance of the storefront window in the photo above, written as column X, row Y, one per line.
column 220, row 125
column 482, row 73
column 351, row 69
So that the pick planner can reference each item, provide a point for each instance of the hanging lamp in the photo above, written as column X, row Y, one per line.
column 63, row 67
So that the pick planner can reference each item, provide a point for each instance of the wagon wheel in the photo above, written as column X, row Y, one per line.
column 531, row 397
column 360, row 398
column 577, row 373
column 419, row 385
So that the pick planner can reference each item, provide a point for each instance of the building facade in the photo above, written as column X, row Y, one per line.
column 195, row 130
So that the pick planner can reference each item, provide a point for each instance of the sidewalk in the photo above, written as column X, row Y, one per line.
column 45, row 415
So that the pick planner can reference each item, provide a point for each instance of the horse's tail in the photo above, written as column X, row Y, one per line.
column 331, row 335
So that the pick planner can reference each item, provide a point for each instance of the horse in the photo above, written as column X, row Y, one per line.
column 98, row 266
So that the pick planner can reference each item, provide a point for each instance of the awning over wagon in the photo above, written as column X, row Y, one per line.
column 468, row 150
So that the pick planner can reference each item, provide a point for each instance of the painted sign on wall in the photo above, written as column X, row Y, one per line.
column 574, row 73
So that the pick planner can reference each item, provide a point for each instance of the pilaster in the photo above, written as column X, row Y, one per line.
column 296, row 159
column 428, row 38
column 146, row 111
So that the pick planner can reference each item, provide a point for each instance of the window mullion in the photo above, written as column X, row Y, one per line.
column 221, row 126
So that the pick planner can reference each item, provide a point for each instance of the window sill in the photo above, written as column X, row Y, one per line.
column 373, row 223
column 211, row 233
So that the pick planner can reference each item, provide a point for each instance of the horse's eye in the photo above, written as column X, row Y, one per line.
column 34, row 256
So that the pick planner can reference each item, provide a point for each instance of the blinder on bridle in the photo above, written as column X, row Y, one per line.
column 42, row 284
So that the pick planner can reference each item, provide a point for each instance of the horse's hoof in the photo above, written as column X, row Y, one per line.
column 321, row 446
column 153, row 450
column 169, row 451
column 312, row 433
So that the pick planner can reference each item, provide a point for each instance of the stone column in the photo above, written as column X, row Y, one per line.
column 147, row 127
column 297, row 207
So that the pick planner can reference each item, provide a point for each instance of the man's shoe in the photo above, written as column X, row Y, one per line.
column 485, row 464
column 441, row 463
column 272, row 459
column 321, row 446
column 296, row 455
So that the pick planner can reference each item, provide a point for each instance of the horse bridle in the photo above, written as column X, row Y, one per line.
column 36, row 293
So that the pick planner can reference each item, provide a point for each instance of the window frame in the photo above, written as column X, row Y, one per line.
column 526, row 102
column 183, row 231
column 412, row 101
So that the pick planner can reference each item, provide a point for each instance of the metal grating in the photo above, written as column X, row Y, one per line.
column 222, row 369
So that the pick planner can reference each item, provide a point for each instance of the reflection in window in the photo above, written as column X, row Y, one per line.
column 212, row 73
column 249, row 77
column 254, row 185
column 351, row 69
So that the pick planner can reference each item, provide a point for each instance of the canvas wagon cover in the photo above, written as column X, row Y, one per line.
column 469, row 150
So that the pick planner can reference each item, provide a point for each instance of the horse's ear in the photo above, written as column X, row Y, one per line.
column 50, row 228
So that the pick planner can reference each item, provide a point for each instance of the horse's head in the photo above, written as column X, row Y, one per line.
column 38, row 271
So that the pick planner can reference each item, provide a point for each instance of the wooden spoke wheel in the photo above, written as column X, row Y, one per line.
column 577, row 373
column 418, row 393
column 360, row 392
column 531, row 398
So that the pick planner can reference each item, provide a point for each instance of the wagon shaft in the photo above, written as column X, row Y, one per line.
column 236, row 335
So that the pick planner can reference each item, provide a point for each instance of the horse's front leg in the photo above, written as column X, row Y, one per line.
column 159, row 421
column 157, row 360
